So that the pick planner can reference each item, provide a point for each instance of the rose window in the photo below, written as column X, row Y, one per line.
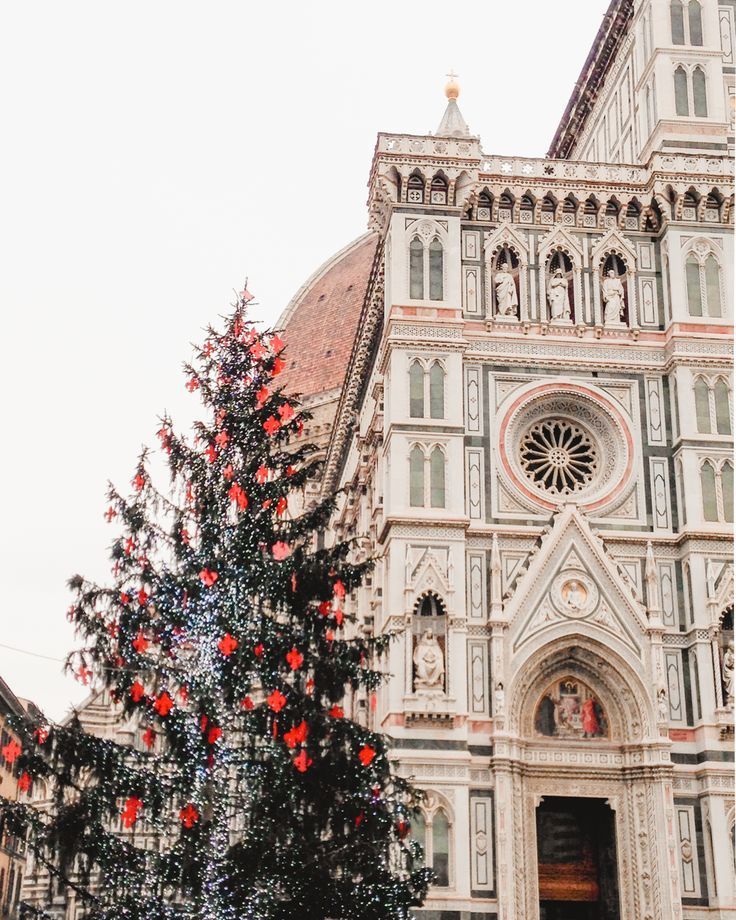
column 558, row 456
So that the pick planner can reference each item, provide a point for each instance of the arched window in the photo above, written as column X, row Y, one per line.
column 416, row 477
column 436, row 391
column 677, row 21
column 700, row 102
column 438, row 190
column 416, row 269
column 437, row 478
column 435, row 270
column 727, row 491
column 441, row 848
column 681, row 104
column 419, row 830
column 485, row 203
column 694, row 296
column 695, row 23
column 708, row 488
column 702, row 406
column 416, row 390
column 713, row 286
column 723, row 406
column 415, row 189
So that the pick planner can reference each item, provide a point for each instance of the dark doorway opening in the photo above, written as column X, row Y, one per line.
column 576, row 850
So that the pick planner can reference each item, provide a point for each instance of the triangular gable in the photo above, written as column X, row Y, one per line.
column 572, row 581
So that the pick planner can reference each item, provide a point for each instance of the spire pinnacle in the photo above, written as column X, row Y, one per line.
column 452, row 124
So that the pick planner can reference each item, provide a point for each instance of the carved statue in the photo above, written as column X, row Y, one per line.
column 613, row 298
column 558, row 296
column 506, row 298
column 662, row 707
column 728, row 661
column 498, row 700
column 429, row 663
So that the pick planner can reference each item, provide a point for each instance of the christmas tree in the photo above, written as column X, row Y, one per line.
column 224, row 635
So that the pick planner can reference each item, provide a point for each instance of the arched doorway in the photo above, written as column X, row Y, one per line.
column 586, row 782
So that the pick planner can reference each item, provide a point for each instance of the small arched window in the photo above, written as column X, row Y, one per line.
column 695, row 22
column 437, row 478
column 702, row 406
column 727, row 491
column 436, row 270
column 416, row 390
column 700, row 101
column 436, row 391
column 415, row 189
column 416, row 477
column 677, row 20
column 694, row 294
column 681, row 103
column 441, row 848
column 438, row 190
column 419, row 830
column 708, row 489
column 713, row 286
column 485, row 203
column 416, row 269
column 723, row 406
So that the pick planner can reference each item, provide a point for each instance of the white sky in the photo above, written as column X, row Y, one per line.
column 152, row 155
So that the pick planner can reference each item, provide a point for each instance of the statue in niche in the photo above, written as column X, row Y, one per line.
column 662, row 706
column 429, row 663
column 498, row 699
column 558, row 296
column 727, row 672
column 613, row 298
column 507, row 300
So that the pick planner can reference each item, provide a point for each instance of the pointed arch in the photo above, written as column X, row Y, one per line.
column 613, row 244
column 559, row 250
column 504, row 242
column 702, row 405
column 415, row 187
column 708, row 491
column 439, row 186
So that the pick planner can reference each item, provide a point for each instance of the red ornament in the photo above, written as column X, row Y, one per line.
column 271, row 425
column 42, row 734
column 259, row 650
column 11, row 750
column 124, row 598
column 130, row 813
column 221, row 439
column 366, row 755
column 297, row 735
column 228, row 472
column 143, row 597
column 261, row 474
column 338, row 589
column 339, row 617
column 267, row 504
column 278, row 365
column 192, row 384
column 293, row 582
column 140, row 643
column 246, row 296
column 295, row 659
column 286, row 412
column 258, row 351
column 24, row 782
column 374, row 701
column 137, row 691
column 359, row 818
column 208, row 577
column 183, row 694
column 302, row 762
column 337, row 712
column 129, row 546
column 262, row 397
column 276, row 343
column 139, row 482
column 330, row 635
column 280, row 550
column 290, row 470
column 325, row 608
column 281, row 505
column 248, row 703
column 309, row 687
column 214, row 734
column 236, row 494
column 110, row 514
column 83, row 675
column 149, row 737
column 227, row 645
column 402, row 829
column 211, row 453
column 276, row 701
column 163, row 705
column 208, row 348
column 184, row 535
column 189, row 816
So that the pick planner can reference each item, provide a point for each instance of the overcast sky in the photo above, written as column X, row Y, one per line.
column 153, row 155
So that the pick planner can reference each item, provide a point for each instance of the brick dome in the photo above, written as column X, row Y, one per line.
column 320, row 323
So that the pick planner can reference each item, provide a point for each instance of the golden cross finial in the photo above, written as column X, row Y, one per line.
column 452, row 89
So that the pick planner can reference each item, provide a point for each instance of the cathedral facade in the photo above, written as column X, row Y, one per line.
column 521, row 378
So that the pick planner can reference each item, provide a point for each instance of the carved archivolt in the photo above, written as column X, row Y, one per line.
column 630, row 715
